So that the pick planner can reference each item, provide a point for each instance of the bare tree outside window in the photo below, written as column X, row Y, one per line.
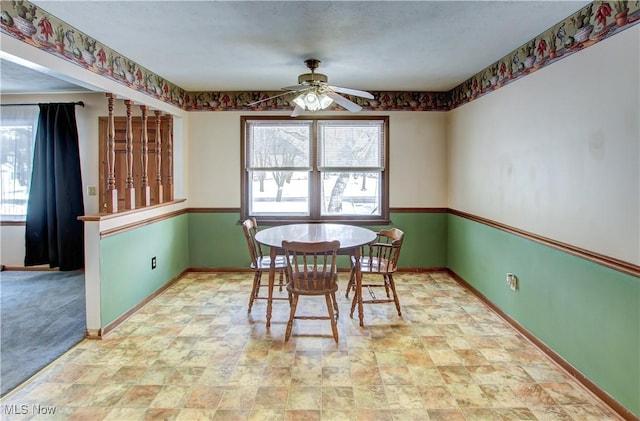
column 355, row 145
column 276, row 153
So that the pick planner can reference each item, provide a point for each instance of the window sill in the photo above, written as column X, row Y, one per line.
column 8, row 221
column 270, row 221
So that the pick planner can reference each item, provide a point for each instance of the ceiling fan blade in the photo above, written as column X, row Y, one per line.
column 296, row 87
column 346, row 103
column 267, row 99
column 354, row 92
column 297, row 111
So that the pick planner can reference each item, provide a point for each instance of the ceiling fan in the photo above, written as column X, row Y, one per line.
column 315, row 93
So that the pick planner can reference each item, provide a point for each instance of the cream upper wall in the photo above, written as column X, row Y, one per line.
column 417, row 167
column 557, row 153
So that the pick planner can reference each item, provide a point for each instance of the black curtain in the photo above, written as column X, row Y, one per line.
column 54, row 235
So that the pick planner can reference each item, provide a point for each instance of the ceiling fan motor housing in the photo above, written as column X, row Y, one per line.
column 311, row 78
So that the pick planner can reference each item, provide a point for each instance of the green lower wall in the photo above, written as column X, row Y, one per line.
column 126, row 277
column 216, row 240
column 587, row 313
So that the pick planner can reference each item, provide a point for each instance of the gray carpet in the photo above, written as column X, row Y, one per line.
column 42, row 315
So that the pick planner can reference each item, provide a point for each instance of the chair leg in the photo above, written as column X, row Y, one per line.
column 386, row 284
column 281, row 283
column 254, row 289
column 353, row 302
column 352, row 282
column 395, row 295
column 335, row 305
column 292, row 314
column 334, row 327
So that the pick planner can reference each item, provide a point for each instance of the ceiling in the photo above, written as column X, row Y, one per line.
column 262, row 45
column 17, row 79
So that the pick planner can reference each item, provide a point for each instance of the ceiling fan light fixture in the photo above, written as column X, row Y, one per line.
column 312, row 101
column 299, row 101
column 325, row 101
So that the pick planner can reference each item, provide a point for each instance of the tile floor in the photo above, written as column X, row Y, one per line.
column 194, row 353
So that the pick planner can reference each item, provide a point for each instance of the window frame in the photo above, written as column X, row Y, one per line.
column 315, row 184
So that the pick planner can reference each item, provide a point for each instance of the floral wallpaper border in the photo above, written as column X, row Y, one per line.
column 591, row 24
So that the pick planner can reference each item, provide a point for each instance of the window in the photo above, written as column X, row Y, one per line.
column 17, row 137
column 315, row 169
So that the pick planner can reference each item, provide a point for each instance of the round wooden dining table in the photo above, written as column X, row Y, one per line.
column 351, row 239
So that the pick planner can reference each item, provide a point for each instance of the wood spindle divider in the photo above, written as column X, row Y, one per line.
column 170, row 156
column 130, row 190
column 111, row 196
column 146, row 189
column 159, row 188
column 161, row 184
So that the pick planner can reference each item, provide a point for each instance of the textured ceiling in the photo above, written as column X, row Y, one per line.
column 261, row 45
column 17, row 79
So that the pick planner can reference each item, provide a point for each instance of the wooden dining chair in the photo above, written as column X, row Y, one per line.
column 311, row 270
column 378, row 258
column 261, row 263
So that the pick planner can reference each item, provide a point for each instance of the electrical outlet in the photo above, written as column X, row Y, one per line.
column 91, row 190
column 512, row 281
column 153, row 262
